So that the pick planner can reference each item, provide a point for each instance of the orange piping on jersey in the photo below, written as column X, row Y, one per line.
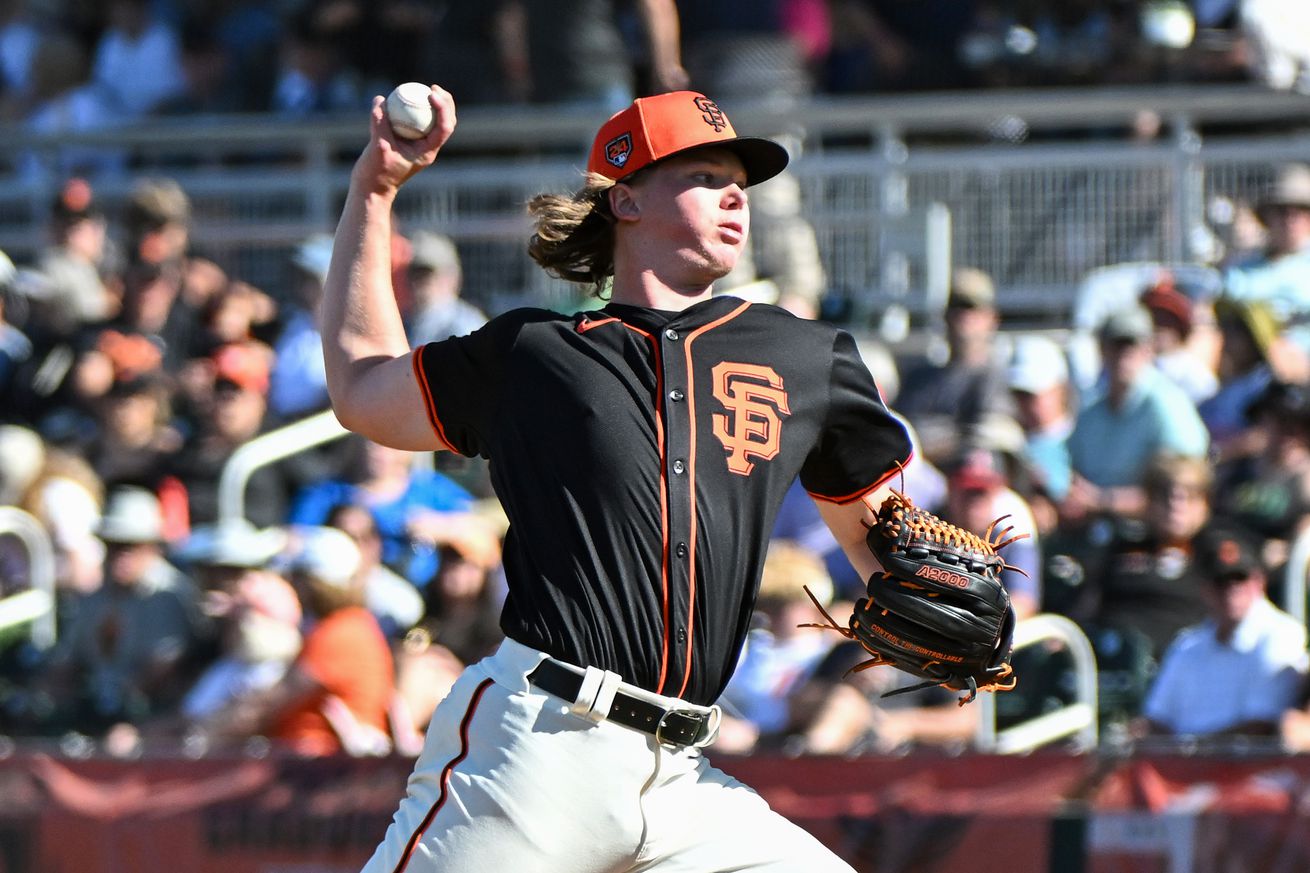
column 416, row 360
column 415, row 837
column 691, row 486
column 664, row 492
column 851, row 498
column 586, row 324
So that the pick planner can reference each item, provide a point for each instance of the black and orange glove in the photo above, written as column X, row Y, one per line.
column 938, row 609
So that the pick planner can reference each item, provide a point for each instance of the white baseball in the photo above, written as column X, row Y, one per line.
column 409, row 111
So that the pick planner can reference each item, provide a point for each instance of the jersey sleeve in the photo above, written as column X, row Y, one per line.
column 460, row 380
column 862, row 443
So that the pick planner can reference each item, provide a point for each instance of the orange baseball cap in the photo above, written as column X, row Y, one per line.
column 654, row 128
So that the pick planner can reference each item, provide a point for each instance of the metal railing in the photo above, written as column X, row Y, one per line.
column 1295, row 574
column 1038, row 214
column 34, row 606
column 267, row 449
column 1077, row 719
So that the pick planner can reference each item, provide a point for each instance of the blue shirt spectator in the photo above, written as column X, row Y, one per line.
column 401, row 496
column 1138, row 414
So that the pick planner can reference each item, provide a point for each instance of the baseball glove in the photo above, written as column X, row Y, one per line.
column 938, row 610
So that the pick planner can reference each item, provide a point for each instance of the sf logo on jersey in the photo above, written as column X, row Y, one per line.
column 755, row 400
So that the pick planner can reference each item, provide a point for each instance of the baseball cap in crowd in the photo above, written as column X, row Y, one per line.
column 245, row 366
column 326, row 554
column 234, row 543
column 1168, row 306
column 1292, row 188
column 978, row 470
column 1256, row 317
column 663, row 125
column 1037, row 364
column 971, row 288
column 433, row 251
column 154, row 203
column 1130, row 324
column 132, row 516
column 1225, row 552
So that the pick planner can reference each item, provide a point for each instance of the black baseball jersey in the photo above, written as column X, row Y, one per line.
column 641, row 457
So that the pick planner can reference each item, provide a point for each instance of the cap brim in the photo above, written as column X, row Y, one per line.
column 762, row 158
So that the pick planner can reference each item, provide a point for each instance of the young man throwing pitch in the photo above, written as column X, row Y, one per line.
column 641, row 452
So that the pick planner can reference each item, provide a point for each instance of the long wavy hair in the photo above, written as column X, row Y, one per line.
column 574, row 233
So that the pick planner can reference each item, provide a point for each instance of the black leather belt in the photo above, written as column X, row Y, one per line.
column 674, row 727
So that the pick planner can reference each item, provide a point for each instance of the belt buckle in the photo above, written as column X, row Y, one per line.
column 695, row 721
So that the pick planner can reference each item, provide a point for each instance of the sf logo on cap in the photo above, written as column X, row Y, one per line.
column 618, row 150
column 712, row 114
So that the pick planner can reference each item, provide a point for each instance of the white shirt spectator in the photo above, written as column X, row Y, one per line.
column 1205, row 686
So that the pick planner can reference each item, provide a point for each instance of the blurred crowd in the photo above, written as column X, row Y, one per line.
column 1155, row 458
column 72, row 65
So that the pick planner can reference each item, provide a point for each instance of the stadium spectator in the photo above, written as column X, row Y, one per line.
column 137, row 59
column 1144, row 582
column 1241, row 669
column 127, row 650
column 1038, row 377
column 1173, row 314
column 20, row 36
column 1280, row 275
column 980, row 492
column 1136, row 415
column 435, row 276
column 312, row 75
column 948, row 402
column 259, row 616
column 1248, row 333
column 157, row 222
column 68, row 413
column 416, row 508
column 782, row 649
column 336, row 695
column 64, row 494
column 63, row 101
column 1268, row 491
column 576, row 55
column 393, row 600
column 234, row 414
column 75, row 291
column 463, row 600
column 462, row 621
column 299, row 382
column 136, row 437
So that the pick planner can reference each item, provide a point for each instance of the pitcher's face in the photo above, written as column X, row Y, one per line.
column 692, row 209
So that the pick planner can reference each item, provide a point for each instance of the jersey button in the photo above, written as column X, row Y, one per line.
column 679, row 467
column 681, row 550
column 671, row 334
column 675, row 395
column 682, row 635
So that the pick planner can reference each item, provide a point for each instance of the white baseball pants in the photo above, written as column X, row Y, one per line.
column 511, row 781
